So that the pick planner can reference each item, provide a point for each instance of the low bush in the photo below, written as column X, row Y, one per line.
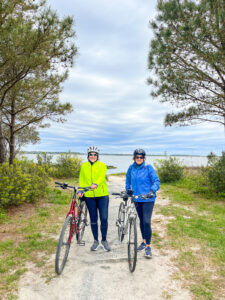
column 215, row 172
column 169, row 170
column 23, row 181
column 66, row 166
column 44, row 158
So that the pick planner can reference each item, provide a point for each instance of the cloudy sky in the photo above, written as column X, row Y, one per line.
column 107, row 87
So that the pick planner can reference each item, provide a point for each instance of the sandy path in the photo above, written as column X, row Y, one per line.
column 105, row 275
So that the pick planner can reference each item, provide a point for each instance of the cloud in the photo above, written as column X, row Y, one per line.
column 107, row 87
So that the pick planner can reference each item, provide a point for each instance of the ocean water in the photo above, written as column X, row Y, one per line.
column 122, row 162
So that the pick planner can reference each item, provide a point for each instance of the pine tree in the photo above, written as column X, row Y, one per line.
column 187, row 60
column 36, row 51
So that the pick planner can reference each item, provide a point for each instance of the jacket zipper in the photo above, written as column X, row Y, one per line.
column 92, row 180
column 136, row 179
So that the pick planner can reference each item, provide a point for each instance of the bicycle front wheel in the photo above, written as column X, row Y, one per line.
column 120, row 222
column 132, row 245
column 82, row 223
column 64, row 245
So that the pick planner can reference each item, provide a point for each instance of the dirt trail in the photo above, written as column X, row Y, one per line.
column 104, row 275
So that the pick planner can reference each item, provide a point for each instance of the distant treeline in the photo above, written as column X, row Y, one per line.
column 114, row 154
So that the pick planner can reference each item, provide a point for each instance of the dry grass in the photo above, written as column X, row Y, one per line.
column 29, row 237
column 195, row 232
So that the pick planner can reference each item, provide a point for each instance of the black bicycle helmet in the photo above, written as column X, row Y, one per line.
column 139, row 152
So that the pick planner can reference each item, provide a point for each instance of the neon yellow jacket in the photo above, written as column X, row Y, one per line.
column 94, row 173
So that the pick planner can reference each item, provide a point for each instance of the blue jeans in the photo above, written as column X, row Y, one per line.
column 94, row 205
column 144, row 211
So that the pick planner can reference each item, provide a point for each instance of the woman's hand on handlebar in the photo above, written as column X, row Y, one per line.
column 80, row 194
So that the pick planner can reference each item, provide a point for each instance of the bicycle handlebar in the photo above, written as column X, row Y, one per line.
column 142, row 197
column 65, row 186
column 125, row 195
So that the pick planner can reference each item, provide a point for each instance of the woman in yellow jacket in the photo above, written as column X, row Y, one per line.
column 93, row 173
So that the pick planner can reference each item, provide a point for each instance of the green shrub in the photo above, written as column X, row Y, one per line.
column 44, row 159
column 215, row 172
column 39, row 177
column 23, row 181
column 169, row 170
column 66, row 166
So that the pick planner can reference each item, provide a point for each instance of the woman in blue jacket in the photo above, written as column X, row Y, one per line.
column 143, row 180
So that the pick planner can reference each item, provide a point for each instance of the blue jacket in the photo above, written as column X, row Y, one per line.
column 142, row 179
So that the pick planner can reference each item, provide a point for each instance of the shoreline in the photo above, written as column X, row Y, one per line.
column 110, row 154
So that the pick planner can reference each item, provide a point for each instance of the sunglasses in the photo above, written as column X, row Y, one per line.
column 93, row 154
column 139, row 157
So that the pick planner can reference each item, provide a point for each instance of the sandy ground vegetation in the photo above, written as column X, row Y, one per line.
column 105, row 275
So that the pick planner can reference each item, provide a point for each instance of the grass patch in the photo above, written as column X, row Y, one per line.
column 3, row 217
column 56, row 196
column 197, row 184
column 43, row 212
column 197, row 232
column 157, row 240
column 26, row 236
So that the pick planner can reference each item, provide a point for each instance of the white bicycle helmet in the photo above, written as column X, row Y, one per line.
column 93, row 149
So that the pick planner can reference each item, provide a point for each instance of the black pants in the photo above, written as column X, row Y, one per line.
column 144, row 211
column 94, row 205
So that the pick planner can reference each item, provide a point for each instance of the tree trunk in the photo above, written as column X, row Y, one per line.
column 12, row 135
column 2, row 143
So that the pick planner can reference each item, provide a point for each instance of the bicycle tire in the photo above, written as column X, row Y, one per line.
column 132, row 245
column 121, row 218
column 63, row 247
column 82, row 222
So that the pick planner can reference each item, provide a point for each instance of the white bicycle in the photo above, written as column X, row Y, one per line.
column 126, row 223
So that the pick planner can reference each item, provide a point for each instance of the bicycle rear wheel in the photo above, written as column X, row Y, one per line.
column 82, row 222
column 120, row 222
column 64, row 245
column 132, row 245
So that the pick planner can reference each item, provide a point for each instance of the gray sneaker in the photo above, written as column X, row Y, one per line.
column 105, row 245
column 148, row 252
column 95, row 246
column 141, row 247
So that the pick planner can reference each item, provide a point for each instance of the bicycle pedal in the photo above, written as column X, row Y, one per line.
column 82, row 243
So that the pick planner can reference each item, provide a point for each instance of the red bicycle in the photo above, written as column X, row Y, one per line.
column 76, row 221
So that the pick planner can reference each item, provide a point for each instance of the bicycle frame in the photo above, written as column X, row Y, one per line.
column 74, row 223
column 130, row 212
column 126, row 223
column 72, row 211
